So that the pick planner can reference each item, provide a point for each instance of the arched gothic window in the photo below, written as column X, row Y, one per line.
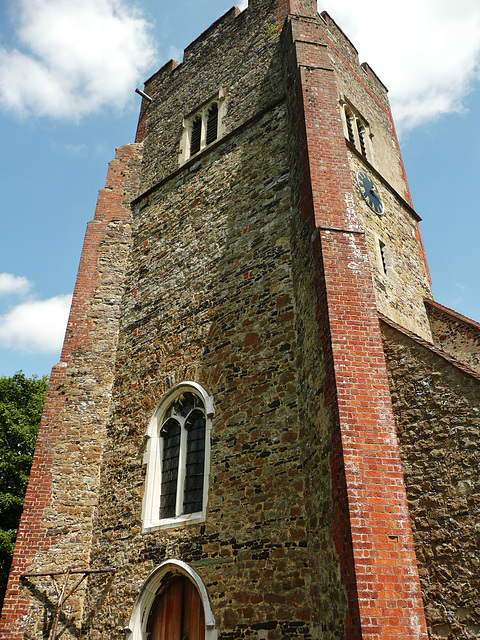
column 178, row 458
column 172, row 605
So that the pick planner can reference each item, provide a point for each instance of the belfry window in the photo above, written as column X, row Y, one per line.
column 195, row 135
column 382, row 257
column 177, row 458
column 356, row 130
column 202, row 127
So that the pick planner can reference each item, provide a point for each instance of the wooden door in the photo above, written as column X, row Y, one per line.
column 177, row 613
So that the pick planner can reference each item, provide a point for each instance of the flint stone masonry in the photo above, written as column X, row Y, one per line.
column 209, row 297
column 455, row 334
column 437, row 409
column 55, row 531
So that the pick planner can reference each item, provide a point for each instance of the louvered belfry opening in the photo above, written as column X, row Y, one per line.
column 350, row 124
column 177, row 612
column 212, row 123
column 361, row 137
column 195, row 136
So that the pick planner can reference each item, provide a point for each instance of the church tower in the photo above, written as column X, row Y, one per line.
column 227, row 449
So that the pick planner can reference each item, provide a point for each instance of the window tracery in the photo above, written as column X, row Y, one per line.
column 177, row 457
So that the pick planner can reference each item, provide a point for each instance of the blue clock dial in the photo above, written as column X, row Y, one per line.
column 369, row 192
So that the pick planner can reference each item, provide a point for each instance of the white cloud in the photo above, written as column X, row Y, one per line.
column 37, row 326
column 175, row 53
column 427, row 53
column 75, row 57
column 10, row 284
column 242, row 5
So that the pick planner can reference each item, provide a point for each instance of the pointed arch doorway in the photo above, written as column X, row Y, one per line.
column 173, row 604
column 177, row 612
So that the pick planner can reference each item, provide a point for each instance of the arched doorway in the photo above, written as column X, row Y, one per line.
column 172, row 605
column 177, row 612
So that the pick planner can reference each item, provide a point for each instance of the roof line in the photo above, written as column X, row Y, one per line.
column 431, row 347
column 451, row 312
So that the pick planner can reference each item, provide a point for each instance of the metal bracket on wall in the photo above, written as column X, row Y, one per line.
column 64, row 593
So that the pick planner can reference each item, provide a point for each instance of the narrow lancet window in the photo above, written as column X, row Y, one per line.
column 212, row 123
column 196, row 136
column 382, row 256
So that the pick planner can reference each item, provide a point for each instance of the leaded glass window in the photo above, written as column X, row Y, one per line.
column 177, row 455
column 183, row 456
column 170, row 433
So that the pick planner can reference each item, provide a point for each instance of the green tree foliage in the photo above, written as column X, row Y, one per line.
column 21, row 405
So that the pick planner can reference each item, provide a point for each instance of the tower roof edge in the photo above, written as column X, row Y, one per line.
column 293, row 7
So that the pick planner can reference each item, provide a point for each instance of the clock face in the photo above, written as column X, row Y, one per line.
column 369, row 192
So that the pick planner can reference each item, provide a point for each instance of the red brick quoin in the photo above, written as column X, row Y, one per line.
column 32, row 537
column 372, row 530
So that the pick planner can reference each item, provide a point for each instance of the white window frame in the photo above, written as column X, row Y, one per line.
column 153, row 459
column 137, row 625
column 201, row 112
column 347, row 109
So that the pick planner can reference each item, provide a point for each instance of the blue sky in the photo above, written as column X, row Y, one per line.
column 68, row 72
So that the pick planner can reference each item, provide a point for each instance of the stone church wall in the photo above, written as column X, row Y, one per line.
column 56, row 527
column 211, row 295
column 455, row 334
column 437, row 410
column 235, row 269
